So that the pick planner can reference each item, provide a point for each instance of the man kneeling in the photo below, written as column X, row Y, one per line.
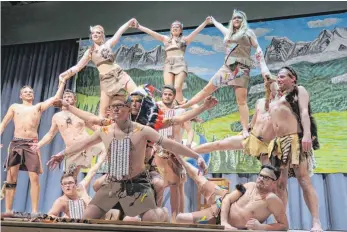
column 245, row 208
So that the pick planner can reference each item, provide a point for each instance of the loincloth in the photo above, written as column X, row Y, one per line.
column 83, row 159
column 214, row 196
column 254, row 146
column 114, row 81
column 286, row 151
column 168, row 164
column 175, row 65
column 19, row 152
column 132, row 197
column 236, row 75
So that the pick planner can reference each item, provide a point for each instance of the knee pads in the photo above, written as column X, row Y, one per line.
column 10, row 185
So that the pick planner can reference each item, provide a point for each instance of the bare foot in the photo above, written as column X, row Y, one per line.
column 132, row 219
column 316, row 227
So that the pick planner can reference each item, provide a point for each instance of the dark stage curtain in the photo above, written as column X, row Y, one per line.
column 37, row 65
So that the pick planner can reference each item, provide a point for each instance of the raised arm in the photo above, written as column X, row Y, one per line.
column 63, row 77
column 208, row 104
column 304, row 99
column 192, row 35
column 49, row 102
column 49, row 136
column 93, row 170
column 75, row 148
column 116, row 37
column 259, row 55
column 154, row 34
column 8, row 117
column 220, row 26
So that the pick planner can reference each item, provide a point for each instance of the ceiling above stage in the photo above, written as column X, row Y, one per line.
column 18, row 3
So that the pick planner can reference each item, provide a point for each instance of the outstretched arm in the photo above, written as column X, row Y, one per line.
column 259, row 55
column 57, row 208
column 209, row 103
column 75, row 148
column 173, row 146
column 49, row 102
column 8, row 117
column 154, row 34
column 304, row 99
column 220, row 27
column 192, row 35
column 63, row 77
column 49, row 136
column 190, row 133
column 116, row 37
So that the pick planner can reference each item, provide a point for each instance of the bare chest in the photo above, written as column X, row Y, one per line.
column 69, row 121
column 27, row 113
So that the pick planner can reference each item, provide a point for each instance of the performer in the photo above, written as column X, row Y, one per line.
column 26, row 118
column 72, row 129
column 247, row 207
column 128, row 187
column 296, row 135
column 172, row 171
column 112, row 77
column 261, row 127
column 175, row 67
column 238, row 41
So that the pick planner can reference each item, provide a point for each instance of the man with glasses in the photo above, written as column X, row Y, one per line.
column 247, row 207
column 128, row 186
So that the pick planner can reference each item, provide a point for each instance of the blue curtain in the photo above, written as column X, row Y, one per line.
column 37, row 65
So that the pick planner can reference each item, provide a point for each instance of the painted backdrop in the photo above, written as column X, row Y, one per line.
column 315, row 46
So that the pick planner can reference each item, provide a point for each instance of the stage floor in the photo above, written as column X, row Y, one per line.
column 23, row 226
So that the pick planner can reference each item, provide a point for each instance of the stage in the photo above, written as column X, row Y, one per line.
column 15, row 225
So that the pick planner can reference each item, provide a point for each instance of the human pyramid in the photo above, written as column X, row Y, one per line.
column 140, row 140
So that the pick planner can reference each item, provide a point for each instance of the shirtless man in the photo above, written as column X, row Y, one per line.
column 128, row 187
column 245, row 208
column 171, row 170
column 261, row 134
column 26, row 118
column 72, row 129
column 296, row 135
column 75, row 198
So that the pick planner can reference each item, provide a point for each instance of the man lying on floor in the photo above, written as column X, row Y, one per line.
column 247, row 207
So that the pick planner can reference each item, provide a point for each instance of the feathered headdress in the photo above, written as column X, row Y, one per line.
column 149, row 114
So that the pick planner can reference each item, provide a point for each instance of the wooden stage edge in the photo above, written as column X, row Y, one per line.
column 22, row 226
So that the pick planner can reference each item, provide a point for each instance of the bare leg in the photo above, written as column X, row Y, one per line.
column 169, row 78
column 241, row 98
column 93, row 212
column 179, row 81
column 205, row 92
column 181, row 197
column 34, row 191
column 159, row 187
column 104, row 103
column 174, row 201
column 231, row 143
column 310, row 194
column 281, row 190
column 185, row 218
column 12, row 175
column 112, row 214
column 156, row 215
column 131, row 86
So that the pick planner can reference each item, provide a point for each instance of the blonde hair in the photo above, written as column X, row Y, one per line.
column 232, row 35
column 181, row 26
column 101, row 28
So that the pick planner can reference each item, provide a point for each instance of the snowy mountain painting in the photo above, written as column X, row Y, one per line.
column 315, row 46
